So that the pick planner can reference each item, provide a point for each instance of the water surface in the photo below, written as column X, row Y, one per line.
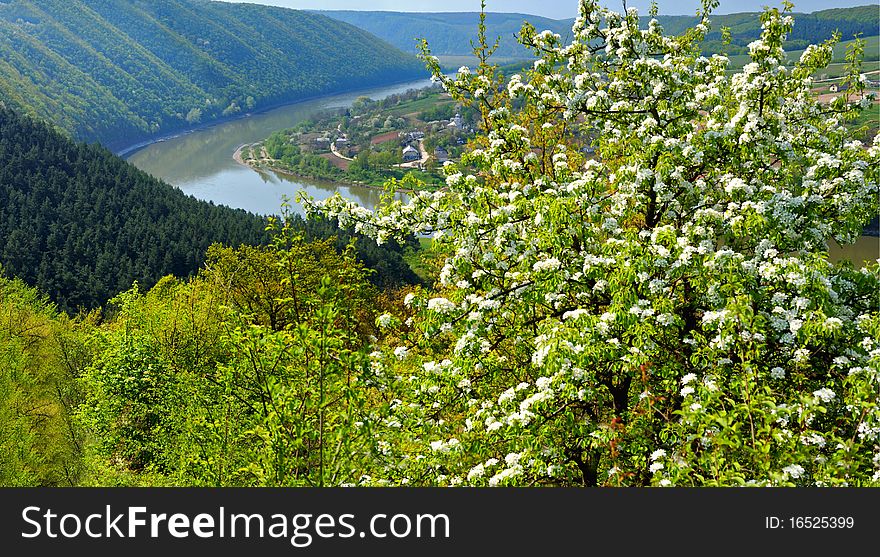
column 200, row 162
column 865, row 250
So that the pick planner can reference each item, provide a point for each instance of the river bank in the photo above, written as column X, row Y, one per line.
column 237, row 157
column 128, row 150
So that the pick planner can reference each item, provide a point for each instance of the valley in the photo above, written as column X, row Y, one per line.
column 618, row 261
column 201, row 162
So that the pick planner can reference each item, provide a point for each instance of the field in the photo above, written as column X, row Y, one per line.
column 872, row 56
column 382, row 138
column 341, row 164
column 417, row 106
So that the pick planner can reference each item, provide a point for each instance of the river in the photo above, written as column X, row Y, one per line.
column 200, row 163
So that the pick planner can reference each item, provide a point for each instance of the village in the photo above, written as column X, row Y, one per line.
column 414, row 132
column 827, row 87
column 411, row 142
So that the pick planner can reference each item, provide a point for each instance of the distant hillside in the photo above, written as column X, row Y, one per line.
column 118, row 71
column 808, row 28
column 82, row 224
column 449, row 34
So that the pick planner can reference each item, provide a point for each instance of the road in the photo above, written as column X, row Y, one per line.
column 337, row 153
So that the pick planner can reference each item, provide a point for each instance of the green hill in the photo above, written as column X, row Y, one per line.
column 808, row 28
column 118, row 71
column 449, row 34
column 82, row 224
column 838, row 60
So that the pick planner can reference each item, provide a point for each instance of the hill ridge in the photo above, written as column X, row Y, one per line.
column 451, row 32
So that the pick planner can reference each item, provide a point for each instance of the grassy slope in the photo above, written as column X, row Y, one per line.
column 872, row 54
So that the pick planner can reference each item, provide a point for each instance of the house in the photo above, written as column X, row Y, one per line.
column 456, row 122
column 411, row 154
column 441, row 155
column 341, row 142
column 836, row 88
column 322, row 142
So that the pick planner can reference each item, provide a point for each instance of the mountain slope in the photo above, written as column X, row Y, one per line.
column 808, row 28
column 118, row 71
column 450, row 33
column 82, row 224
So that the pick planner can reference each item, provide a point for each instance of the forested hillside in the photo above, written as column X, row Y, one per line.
column 188, row 383
column 121, row 70
column 82, row 224
column 450, row 33
column 808, row 29
column 663, row 311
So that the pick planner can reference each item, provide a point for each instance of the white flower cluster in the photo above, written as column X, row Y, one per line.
column 825, row 394
column 384, row 321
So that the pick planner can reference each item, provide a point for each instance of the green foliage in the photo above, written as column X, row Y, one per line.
column 387, row 267
column 139, row 394
column 41, row 353
column 118, row 71
column 438, row 112
column 244, row 375
column 307, row 433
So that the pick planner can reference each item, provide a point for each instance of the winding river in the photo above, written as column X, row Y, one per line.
column 200, row 163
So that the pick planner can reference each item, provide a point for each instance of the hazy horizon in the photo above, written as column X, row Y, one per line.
column 554, row 9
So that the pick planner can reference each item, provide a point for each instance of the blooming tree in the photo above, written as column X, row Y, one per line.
column 663, row 312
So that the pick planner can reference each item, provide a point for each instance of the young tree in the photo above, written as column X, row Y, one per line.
column 662, row 314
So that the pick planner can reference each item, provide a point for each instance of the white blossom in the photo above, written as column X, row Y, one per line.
column 824, row 394
column 793, row 471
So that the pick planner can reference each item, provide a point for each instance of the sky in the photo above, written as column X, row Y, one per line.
column 556, row 9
